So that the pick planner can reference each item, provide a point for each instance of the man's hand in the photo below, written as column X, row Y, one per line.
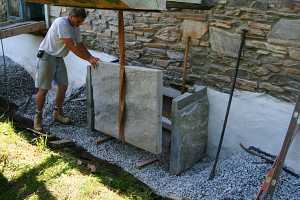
column 94, row 61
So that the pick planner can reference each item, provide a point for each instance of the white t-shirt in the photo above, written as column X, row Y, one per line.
column 53, row 43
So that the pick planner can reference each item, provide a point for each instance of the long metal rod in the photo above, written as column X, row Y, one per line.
column 122, row 79
column 213, row 171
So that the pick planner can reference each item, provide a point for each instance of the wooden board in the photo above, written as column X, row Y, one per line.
column 21, row 28
column 108, row 4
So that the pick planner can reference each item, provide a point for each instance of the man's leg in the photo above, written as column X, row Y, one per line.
column 40, row 101
column 60, row 97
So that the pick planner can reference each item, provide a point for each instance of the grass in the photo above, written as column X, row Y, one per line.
column 30, row 170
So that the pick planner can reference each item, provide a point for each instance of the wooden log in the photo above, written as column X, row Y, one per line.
column 102, row 4
column 58, row 144
column 143, row 5
column 21, row 28
column 102, row 140
column 145, row 163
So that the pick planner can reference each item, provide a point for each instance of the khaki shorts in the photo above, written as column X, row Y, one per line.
column 50, row 68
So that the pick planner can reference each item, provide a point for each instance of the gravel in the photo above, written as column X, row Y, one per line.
column 238, row 177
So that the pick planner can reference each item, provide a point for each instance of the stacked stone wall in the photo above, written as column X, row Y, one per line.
column 271, row 59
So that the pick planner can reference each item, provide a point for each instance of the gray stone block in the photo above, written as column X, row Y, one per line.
column 189, row 129
column 285, row 32
column 224, row 42
column 143, row 126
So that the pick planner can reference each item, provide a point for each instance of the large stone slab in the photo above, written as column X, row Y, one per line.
column 224, row 42
column 189, row 129
column 285, row 32
column 143, row 127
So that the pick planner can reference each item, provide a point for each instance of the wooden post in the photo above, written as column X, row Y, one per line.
column 185, row 63
column 122, row 79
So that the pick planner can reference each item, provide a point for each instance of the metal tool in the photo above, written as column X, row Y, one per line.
column 243, row 39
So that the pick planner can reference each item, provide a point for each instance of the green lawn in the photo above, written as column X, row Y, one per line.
column 29, row 170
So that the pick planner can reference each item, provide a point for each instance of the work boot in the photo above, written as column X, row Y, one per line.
column 38, row 121
column 59, row 117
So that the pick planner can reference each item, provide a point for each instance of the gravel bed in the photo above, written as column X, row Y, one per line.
column 238, row 177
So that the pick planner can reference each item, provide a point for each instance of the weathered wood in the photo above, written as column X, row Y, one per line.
column 202, row 5
column 108, row 4
column 145, row 163
column 49, row 137
column 21, row 28
column 61, row 143
column 122, row 80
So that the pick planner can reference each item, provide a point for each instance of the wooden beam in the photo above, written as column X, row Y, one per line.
column 104, row 4
column 142, row 5
column 122, row 79
column 21, row 28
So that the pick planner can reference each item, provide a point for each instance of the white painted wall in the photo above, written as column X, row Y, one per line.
column 255, row 119
column 23, row 49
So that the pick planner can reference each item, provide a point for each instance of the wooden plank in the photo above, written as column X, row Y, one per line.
column 61, row 143
column 108, row 4
column 49, row 137
column 21, row 29
column 102, row 140
column 122, row 79
column 145, row 163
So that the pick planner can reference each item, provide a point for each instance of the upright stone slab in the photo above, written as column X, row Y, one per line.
column 143, row 127
column 286, row 32
column 189, row 129
column 224, row 42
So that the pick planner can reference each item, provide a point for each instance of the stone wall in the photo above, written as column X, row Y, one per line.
column 2, row 9
column 271, row 60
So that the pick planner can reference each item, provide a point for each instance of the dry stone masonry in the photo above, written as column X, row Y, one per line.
column 271, row 59
column 2, row 10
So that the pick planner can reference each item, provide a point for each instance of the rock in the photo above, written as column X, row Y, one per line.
column 168, row 34
column 261, row 71
column 294, row 53
column 246, row 84
column 175, row 55
column 193, row 29
column 224, row 43
column 256, row 44
column 285, row 32
column 272, row 68
column 270, row 87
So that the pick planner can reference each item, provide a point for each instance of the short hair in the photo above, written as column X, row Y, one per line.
column 78, row 12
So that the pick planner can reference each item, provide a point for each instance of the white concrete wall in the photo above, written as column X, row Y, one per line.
column 255, row 119
column 23, row 48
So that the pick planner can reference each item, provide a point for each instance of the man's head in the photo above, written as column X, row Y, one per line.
column 77, row 16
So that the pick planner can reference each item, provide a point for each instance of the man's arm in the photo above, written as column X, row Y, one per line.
column 81, row 51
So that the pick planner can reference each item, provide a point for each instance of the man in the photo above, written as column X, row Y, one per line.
column 62, row 37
